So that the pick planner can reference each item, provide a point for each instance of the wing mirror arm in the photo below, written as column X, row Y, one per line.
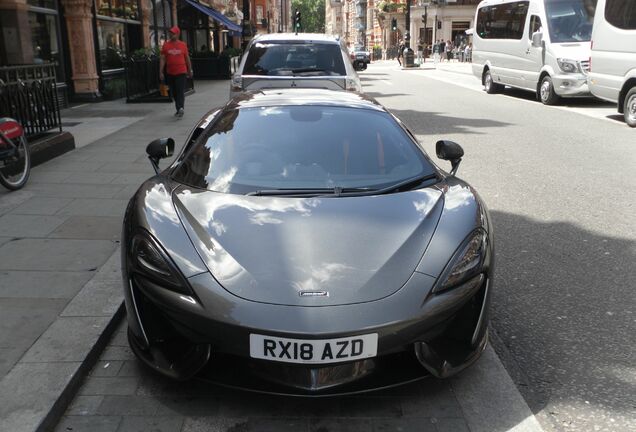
column 155, row 164
column 450, row 151
column 455, row 166
column 159, row 149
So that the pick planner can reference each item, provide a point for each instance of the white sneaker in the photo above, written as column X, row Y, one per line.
column 180, row 112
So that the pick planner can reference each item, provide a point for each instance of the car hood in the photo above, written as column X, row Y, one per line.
column 579, row 51
column 310, row 251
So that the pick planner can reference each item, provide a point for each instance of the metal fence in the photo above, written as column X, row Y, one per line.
column 142, row 80
column 28, row 94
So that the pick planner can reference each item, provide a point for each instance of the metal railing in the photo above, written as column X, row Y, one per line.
column 142, row 79
column 28, row 94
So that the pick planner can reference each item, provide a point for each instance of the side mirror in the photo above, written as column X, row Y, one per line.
column 450, row 151
column 537, row 38
column 159, row 149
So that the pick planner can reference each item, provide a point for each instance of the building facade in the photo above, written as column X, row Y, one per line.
column 89, row 39
column 368, row 22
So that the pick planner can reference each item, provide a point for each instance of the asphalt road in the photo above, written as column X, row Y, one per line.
column 560, row 186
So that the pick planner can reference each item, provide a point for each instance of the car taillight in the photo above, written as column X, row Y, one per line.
column 351, row 85
column 237, row 82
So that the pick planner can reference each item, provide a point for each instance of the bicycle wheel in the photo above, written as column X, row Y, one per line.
column 15, row 169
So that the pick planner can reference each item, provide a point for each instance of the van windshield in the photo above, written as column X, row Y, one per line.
column 570, row 20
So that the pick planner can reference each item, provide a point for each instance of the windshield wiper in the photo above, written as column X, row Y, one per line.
column 307, row 69
column 336, row 191
column 404, row 184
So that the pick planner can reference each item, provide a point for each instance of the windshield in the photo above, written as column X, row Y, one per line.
column 570, row 20
column 292, row 59
column 301, row 147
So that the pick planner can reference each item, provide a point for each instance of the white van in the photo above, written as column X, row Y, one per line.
column 537, row 45
column 613, row 64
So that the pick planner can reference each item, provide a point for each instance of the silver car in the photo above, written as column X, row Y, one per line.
column 287, row 60
column 304, row 243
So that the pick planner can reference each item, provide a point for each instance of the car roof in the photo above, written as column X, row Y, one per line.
column 293, row 37
column 304, row 96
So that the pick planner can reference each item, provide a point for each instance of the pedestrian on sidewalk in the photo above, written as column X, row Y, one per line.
column 420, row 51
column 436, row 52
column 176, row 60
column 400, row 53
column 449, row 51
column 442, row 48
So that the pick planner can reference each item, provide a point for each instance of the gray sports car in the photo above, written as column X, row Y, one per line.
column 303, row 242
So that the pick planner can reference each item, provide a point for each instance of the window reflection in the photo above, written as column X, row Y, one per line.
column 112, row 44
column 301, row 147
column 44, row 39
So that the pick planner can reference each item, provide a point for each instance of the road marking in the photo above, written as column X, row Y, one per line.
column 386, row 82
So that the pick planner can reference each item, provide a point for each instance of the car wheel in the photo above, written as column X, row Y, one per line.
column 489, row 84
column 546, row 92
column 629, row 109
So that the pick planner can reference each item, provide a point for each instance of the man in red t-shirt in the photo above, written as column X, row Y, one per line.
column 175, row 59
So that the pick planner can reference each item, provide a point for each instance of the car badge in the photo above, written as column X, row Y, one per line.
column 314, row 293
column 293, row 84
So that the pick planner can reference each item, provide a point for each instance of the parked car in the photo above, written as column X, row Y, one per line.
column 303, row 242
column 280, row 60
column 359, row 53
column 538, row 45
column 613, row 62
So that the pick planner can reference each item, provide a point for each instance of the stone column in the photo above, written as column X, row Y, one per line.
column 79, row 22
column 146, row 18
column 15, row 34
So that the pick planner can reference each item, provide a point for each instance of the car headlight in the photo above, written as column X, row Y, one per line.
column 149, row 260
column 568, row 66
column 466, row 263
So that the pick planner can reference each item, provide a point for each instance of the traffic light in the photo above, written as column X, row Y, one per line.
column 297, row 22
column 393, row 24
column 424, row 19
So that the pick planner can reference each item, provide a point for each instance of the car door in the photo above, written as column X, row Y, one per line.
column 533, row 60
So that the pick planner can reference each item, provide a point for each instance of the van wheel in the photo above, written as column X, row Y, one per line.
column 629, row 109
column 490, row 85
column 546, row 92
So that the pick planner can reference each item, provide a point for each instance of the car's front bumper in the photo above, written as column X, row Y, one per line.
column 571, row 85
column 418, row 333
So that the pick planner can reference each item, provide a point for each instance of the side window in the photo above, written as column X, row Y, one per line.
column 621, row 14
column 503, row 21
column 535, row 26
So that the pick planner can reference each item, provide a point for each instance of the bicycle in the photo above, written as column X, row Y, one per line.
column 15, row 156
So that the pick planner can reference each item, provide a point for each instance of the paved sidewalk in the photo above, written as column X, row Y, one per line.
column 57, row 232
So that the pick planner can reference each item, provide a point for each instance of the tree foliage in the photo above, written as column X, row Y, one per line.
column 312, row 15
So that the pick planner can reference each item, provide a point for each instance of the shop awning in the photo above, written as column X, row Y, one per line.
column 217, row 16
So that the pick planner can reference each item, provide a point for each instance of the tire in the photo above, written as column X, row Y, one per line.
column 629, row 109
column 16, row 169
column 547, row 96
column 490, row 85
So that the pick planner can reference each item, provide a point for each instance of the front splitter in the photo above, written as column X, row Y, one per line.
column 282, row 379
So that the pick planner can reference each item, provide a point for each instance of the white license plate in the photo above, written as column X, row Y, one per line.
column 313, row 351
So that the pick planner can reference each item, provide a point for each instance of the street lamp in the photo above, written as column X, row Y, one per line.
column 409, row 58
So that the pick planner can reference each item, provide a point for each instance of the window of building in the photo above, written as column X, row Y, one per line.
column 123, row 9
column 503, row 21
column 111, row 37
column 45, row 34
column 160, row 21
column 47, row 4
column 621, row 14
